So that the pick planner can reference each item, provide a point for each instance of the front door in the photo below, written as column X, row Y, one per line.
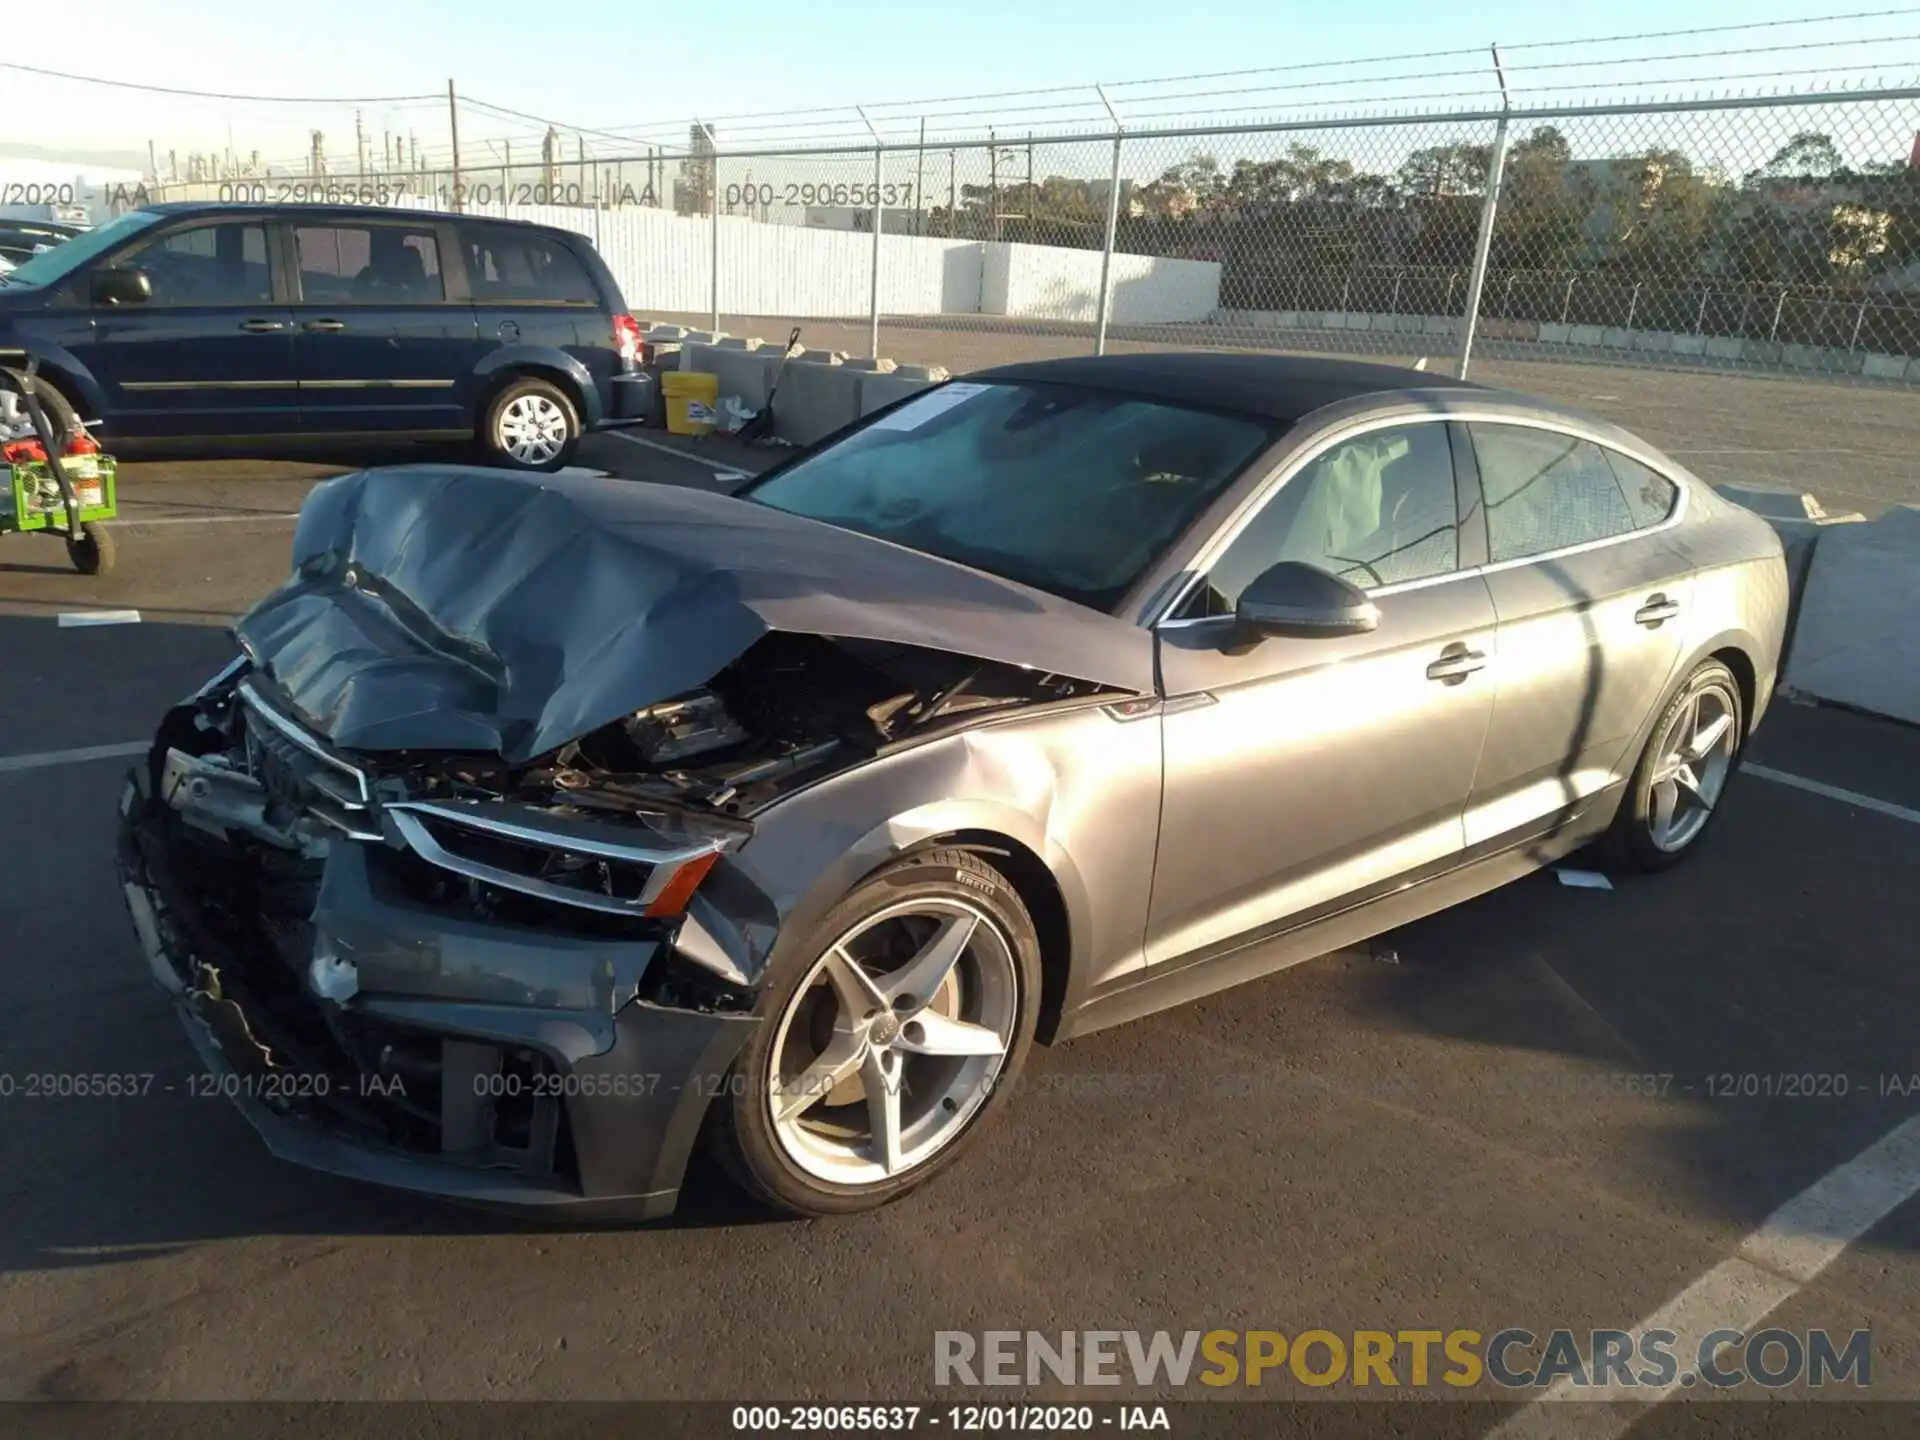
column 1303, row 774
column 1589, row 597
column 211, row 353
column 378, row 345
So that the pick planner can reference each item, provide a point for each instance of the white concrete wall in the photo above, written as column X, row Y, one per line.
column 664, row 263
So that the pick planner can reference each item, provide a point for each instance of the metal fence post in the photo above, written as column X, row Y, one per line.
column 1633, row 303
column 873, row 278
column 1858, row 320
column 1482, row 247
column 1700, row 320
column 1566, row 301
column 713, row 209
column 1773, row 334
column 1113, row 227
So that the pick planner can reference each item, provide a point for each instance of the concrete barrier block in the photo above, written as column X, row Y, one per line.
column 879, row 389
column 1589, row 335
column 1616, row 338
column 1806, row 357
column 1437, row 324
column 1761, row 352
column 664, row 334
column 1885, row 367
column 1855, row 642
column 745, row 376
column 739, row 342
column 1689, row 344
column 1724, row 347
column 818, row 394
column 1555, row 334
column 1655, row 342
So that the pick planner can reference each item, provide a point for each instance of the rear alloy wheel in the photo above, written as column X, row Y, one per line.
column 1683, row 773
column 887, row 1041
column 532, row 425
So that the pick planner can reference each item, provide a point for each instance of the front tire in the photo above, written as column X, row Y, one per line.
column 91, row 551
column 532, row 424
column 886, row 1040
column 1677, row 787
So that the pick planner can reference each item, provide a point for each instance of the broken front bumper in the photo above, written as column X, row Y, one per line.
column 482, row 1063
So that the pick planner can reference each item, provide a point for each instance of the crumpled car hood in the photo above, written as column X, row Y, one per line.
column 459, row 608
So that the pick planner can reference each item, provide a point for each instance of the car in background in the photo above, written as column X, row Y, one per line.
column 195, row 323
column 544, row 825
column 21, row 240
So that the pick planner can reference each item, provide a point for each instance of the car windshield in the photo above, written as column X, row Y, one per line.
column 63, row 259
column 1070, row 490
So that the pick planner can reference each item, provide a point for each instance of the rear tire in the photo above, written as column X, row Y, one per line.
column 531, row 424
column 944, row 1037
column 1676, row 789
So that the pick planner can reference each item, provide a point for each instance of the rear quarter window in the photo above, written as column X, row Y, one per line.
column 508, row 265
column 1650, row 495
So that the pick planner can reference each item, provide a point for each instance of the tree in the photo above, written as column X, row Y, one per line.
column 1438, row 170
column 1809, row 155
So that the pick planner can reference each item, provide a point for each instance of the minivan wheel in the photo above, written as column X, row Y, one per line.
column 532, row 425
column 1682, row 775
column 885, row 1040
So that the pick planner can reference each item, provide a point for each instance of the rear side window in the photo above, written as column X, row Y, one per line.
column 207, row 265
column 524, row 265
column 368, row 265
column 1545, row 491
column 1650, row 495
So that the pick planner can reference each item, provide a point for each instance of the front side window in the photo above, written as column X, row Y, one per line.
column 524, row 265
column 1545, row 491
column 69, row 255
column 368, row 265
column 1070, row 490
column 1376, row 510
column 224, row 264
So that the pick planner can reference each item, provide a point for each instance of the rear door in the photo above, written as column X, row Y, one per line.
column 378, row 344
column 530, row 290
column 211, row 353
column 1590, row 598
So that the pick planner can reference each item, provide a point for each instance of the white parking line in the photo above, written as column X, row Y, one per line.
column 723, row 475
column 71, row 618
column 47, row 758
column 1798, row 1241
column 1834, row 792
column 275, row 518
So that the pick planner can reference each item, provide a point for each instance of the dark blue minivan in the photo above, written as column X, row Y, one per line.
column 206, row 322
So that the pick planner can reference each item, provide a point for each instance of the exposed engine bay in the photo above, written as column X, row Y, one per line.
column 791, row 710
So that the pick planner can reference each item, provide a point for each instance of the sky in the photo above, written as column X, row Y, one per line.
column 609, row 66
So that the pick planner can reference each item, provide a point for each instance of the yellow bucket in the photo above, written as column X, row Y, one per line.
column 693, row 401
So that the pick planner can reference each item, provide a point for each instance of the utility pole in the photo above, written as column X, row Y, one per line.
column 583, row 172
column 506, row 167
column 549, row 158
column 359, row 143
column 951, row 192
column 1030, row 205
column 453, row 124
column 153, row 162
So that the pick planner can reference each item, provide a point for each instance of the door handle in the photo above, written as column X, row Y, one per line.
column 262, row 327
column 1456, row 664
column 325, row 327
column 1656, row 612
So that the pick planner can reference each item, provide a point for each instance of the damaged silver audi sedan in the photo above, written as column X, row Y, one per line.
column 547, row 827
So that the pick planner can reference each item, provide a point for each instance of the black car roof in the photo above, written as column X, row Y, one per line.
column 334, row 212
column 1274, row 387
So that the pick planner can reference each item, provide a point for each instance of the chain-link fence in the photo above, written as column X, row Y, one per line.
column 1705, row 241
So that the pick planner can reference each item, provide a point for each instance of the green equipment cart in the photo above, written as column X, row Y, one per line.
column 58, row 480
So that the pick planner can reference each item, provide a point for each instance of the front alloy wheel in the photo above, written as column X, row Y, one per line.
column 888, row 1040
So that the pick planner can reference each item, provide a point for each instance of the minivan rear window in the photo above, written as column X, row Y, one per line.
column 505, row 264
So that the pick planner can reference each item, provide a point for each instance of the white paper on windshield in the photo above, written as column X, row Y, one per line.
column 921, row 409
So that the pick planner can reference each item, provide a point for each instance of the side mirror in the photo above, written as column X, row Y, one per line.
column 1303, row 602
column 121, row 285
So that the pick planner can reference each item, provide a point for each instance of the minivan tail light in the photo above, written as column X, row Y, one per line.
column 626, row 338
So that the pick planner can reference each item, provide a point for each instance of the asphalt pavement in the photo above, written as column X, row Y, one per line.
column 1551, row 1107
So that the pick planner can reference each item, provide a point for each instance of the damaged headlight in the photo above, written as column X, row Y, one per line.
column 676, row 729
column 565, row 860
